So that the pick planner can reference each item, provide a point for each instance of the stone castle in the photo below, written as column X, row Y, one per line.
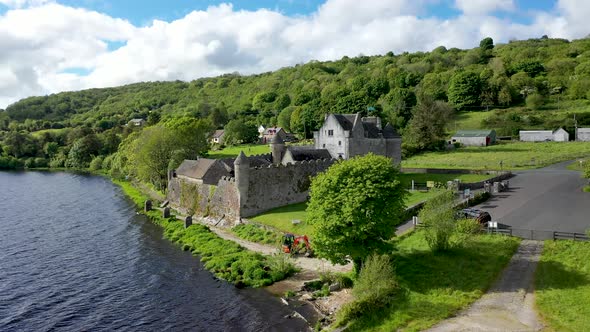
column 247, row 186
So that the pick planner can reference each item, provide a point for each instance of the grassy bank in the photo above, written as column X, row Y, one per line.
column 226, row 259
column 437, row 285
column 516, row 155
column 562, row 285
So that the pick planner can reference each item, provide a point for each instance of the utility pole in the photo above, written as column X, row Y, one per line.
column 576, row 128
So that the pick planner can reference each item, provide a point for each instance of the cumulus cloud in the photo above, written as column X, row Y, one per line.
column 42, row 54
column 479, row 7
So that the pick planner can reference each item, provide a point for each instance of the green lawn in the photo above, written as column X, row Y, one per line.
column 439, row 284
column 577, row 166
column 516, row 155
column 562, row 285
column 280, row 218
column 234, row 151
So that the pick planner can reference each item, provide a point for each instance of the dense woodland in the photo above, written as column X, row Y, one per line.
column 417, row 92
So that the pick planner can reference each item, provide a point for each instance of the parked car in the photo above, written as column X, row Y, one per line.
column 481, row 216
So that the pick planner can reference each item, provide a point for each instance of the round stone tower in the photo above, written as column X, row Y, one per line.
column 242, row 175
column 277, row 148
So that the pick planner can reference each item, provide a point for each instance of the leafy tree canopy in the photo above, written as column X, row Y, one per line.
column 354, row 208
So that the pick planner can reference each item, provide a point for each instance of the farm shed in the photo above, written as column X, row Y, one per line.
column 474, row 137
column 535, row 135
column 560, row 135
column 583, row 134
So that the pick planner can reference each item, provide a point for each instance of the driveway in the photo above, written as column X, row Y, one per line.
column 546, row 199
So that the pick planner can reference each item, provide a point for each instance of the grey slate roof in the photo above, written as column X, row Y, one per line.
column 301, row 153
column 473, row 133
column 390, row 132
column 346, row 121
column 218, row 133
column 195, row 168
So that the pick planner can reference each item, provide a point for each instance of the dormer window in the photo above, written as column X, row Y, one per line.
column 330, row 132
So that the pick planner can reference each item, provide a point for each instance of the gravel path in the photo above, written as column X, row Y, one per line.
column 509, row 304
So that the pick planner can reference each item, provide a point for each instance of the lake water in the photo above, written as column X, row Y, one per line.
column 75, row 256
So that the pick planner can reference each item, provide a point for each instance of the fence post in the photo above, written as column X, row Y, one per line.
column 412, row 185
column 575, row 239
column 553, row 235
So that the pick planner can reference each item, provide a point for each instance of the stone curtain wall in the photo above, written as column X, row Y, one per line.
column 279, row 185
column 225, row 199
column 186, row 194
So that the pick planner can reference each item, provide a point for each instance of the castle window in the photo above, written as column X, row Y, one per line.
column 330, row 132
column 323, row 145
column 339, row 143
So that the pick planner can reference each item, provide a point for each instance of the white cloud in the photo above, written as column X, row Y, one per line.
column 481, row 7
column 23, row 3
column 40, row 43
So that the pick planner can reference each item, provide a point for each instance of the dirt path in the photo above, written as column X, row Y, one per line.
column 305, row 263
column 509, row 304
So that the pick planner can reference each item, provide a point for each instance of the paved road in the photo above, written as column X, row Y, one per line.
column 549, row 199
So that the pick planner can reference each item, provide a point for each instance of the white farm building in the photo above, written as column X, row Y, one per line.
column 583, row 134
column 559, row 135
column 474, row 137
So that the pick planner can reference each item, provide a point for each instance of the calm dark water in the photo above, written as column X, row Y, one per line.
column 74, row 256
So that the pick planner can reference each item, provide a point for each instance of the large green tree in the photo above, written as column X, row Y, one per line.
column 238, row 131
column 464, row 89
column 354, row 208
column 426, row 129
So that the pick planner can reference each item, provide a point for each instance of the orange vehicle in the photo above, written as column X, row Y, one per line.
column 292, row 244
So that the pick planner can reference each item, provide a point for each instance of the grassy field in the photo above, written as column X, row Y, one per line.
column 516, row 155
column 439, row 284
column 562, row 285
column 468, row 120
column 234, row 151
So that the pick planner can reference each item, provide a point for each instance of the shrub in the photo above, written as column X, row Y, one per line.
column 41, row 162
column 534, row 101
column 467, row 226
column 375, row 288
column 107, row 162
column 281, row 266
column 96, row 163
column 438, row 219
column 290, row 293
column 30, row 163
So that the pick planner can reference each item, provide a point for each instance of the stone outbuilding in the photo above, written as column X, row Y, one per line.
column 271, row 132
column 475, row 137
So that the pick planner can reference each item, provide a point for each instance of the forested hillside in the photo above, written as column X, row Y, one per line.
column 417, row 92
